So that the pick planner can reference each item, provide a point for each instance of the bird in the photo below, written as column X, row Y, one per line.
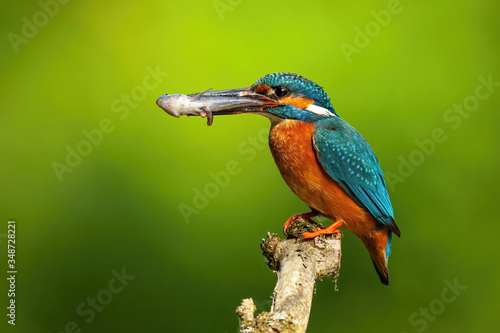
column 325, row 161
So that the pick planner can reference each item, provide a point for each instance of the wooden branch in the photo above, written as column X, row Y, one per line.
column 297, row 264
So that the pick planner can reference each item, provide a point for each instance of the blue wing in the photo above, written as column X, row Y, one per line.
column 348, row 158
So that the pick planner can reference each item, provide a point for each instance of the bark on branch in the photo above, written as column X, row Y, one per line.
column 297, row 264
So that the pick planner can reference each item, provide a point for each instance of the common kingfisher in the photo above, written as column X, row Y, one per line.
column 324, row 160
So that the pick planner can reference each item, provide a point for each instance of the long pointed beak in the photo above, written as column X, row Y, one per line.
column 208, row 103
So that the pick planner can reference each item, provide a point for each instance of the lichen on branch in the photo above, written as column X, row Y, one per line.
column 297, row 264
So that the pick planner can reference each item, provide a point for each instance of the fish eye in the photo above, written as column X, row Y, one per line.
column 281, row 91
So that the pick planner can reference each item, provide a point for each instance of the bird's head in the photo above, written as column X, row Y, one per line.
column 299, row 98
column 277, row 96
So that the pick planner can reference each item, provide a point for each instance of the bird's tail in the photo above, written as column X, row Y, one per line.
column 379, row 247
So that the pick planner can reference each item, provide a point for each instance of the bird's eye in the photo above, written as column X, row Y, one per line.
column 281, row 91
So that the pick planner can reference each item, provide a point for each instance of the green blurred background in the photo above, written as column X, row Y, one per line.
column 85, row 65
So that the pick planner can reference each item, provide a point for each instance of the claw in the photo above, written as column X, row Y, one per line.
column 331, row 229
column 289, row 221
column 307, row 216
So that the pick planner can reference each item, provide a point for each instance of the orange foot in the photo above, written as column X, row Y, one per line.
column 307, row 215
column 331, row 229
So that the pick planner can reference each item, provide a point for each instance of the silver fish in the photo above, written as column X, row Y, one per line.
column 179, row 105
column 208, row 103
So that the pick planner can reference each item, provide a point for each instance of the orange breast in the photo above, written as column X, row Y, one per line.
column 292, row 148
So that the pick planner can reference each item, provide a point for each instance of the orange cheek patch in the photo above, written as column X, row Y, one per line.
column 262, row 89
column 298, row 102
